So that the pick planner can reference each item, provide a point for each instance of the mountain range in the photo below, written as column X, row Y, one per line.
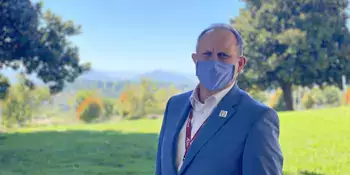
column 110, row 76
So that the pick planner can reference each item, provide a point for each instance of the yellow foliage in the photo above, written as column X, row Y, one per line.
column 275, row 97
column 308, row 100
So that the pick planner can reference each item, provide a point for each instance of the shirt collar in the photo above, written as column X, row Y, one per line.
column 215, row 99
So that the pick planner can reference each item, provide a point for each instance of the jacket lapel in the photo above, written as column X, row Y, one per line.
column 179, row 125
column 220, row 115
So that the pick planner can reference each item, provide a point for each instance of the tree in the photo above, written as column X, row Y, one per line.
column 21, row 103
column 137, row 100
column 294, row 42
column 89, row 105
column 108, row 107
column 258, row 95
column 37, row 43
column 332, row 95
column 82, row 95
column 347, row 96
column 147, row 97
column 308, row 101
column 91, row 112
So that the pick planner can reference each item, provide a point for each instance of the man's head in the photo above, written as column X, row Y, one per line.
column 223, row 44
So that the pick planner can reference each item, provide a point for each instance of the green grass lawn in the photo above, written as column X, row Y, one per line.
column 313, row 142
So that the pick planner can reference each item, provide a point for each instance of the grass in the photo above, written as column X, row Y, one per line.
column 314, row 142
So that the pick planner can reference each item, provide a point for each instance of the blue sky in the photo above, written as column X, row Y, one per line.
column 140, row 36
column 121, row 35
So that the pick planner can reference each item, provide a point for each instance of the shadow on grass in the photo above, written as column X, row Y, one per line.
column 78, row 152
column 81, row 153
column 310, row 173
column 305, row 172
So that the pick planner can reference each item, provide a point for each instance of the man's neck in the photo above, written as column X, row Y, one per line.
column 204, row 93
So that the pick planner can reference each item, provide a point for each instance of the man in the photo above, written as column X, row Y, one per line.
column 218, row 129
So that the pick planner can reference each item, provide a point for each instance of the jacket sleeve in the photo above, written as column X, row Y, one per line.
column 262, row 153
column 158, row 170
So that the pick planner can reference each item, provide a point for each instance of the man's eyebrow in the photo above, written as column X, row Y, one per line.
column 207, row 50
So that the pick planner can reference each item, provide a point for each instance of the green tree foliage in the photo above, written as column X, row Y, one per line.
column 138, row 100
column 21, row 103
column 146, row 92
column 276, row 100
column 38, row 43
column 4, row 85
column 281, row 105
column 162, row 96
column 294, row 42
column 83, row 94
column 317, row 97
column 109, row 107
column 308, row 100
column 258, row 94
column 332, row 95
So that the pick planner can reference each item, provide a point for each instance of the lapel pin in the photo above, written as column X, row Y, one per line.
column 223, row 113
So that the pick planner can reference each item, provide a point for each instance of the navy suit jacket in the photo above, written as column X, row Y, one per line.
column 245, row 142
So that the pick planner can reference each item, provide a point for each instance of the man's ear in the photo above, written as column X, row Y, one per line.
column 194, row 58
column 241, row 63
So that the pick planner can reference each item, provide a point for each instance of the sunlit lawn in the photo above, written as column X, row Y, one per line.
column 315, row 141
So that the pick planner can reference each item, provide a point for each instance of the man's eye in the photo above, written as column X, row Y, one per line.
column 207, row 53
column 222, row 55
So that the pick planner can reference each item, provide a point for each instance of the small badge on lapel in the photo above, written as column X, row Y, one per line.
column 223, row 114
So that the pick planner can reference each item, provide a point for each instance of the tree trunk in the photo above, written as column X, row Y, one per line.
column 287, row 96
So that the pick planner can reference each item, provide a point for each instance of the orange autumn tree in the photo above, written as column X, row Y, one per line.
column 123, row 97
column 90, row 106
column 125, row 102
column 347, row 96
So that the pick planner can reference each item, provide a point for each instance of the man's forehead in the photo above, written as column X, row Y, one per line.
column 217, row 36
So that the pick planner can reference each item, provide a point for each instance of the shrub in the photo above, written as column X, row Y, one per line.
column 332, row 95
column 258, row 95
column 281, row 105
column 108, row 108
column 307, row 100
column 276, row 101
column 91, row 112
column 318, row 96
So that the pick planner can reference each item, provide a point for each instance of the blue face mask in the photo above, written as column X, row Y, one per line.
column 213, row 74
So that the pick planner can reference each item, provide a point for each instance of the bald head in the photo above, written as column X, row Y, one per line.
column 237, row 37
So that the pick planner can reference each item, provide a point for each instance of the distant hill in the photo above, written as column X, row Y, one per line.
column 107, row 75
column 166, row 77
column 160, row 76
column 112, row 83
